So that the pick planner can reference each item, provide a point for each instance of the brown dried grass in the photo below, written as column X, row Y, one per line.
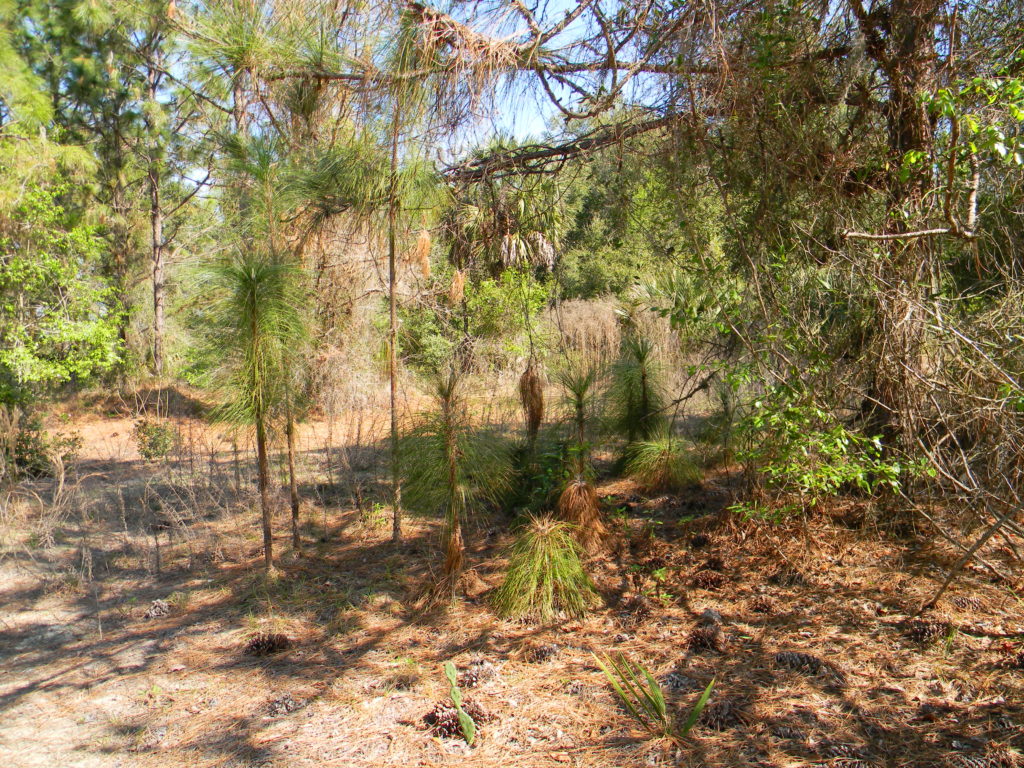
column 578, row 504
column 457, row 290
column 419, row 254
column 531, row 396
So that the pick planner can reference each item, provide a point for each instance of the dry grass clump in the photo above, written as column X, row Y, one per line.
column 578, row 505
column 545, row 575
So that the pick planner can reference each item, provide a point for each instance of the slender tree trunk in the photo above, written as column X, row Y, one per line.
column 264, row 483
column 156, row 222
column 396, row 486
column 156, row 218
column 454, row 554
column 293, row 487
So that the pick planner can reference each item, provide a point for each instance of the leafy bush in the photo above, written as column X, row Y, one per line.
column 545, row 575
column 498, row 314
column 803, row 450
column 26, row 450
column 58, row 322
column 155, row 439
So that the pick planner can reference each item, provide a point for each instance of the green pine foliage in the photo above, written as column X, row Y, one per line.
column 256, row 332
column 449, row 466
column 637, row 392
column 662, row 464
column 545, row 576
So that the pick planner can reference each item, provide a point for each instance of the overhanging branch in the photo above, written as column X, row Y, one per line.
column 538, row 158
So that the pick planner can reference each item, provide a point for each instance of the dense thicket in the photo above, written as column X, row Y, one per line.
column 821, row 199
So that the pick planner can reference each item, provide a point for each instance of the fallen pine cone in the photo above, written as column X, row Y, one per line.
column 810, row 665
column 266, row 643
column 725, row 714
column 927, row 630
column 443, row 719
column 707, row 638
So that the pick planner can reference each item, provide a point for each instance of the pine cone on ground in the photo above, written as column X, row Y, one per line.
column 725, row 714
column 541, row 653
column 762, row 604
column 808, row 664
column 266, row 643
column 443, row 719
column 709, row 580
column 927, row 630
column 707, row 638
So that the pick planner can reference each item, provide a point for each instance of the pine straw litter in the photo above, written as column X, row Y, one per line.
column 815, row 667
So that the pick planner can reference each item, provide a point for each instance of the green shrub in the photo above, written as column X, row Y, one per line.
column 545, row 575
column 155, row 439
column 803, row 450
column 26, row 450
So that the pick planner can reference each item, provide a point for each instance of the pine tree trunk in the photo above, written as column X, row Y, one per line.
column 293, row 487
column 396, row 486
column 156, row 220
column 264, row 483
column 157, row 246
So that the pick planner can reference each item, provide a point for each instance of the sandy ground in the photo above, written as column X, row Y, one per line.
column 92, row 675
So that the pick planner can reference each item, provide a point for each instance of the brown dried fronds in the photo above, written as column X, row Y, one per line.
column 531, row 395
column 419, row 254
column 457, row 290
column 578, row 505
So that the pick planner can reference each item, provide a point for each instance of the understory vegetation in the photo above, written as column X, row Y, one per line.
column 616, row 383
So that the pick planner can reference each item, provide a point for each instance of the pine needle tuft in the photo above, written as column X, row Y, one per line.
column 662, row 464
column 545, row 575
